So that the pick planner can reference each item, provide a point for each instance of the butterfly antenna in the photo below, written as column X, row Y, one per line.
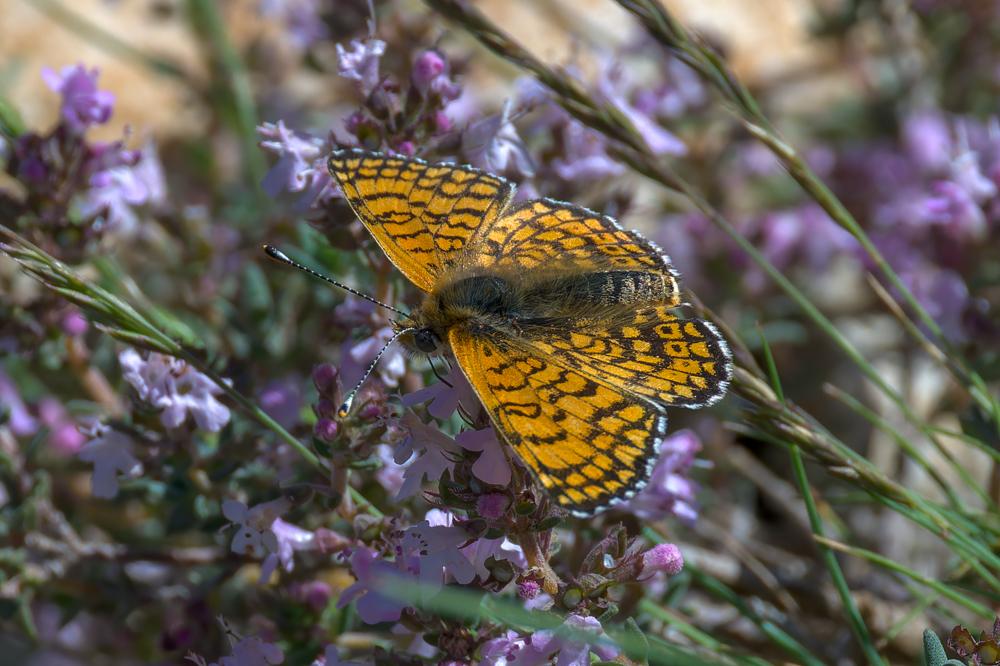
column 345, row 408
column 278, row 255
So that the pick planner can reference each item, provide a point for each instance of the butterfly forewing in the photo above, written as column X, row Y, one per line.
column 423, row 216
column 588, row 444
column 547, row 234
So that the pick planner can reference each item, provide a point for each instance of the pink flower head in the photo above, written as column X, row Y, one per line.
column 426, row 451
column 670, row 491
column 301, row 166
column 491, row 466
column 665, row 557
column 374, row 575
column 445, row 396
column 493, row 144
column 176, row 388
column 360, row 62
column 83, row 104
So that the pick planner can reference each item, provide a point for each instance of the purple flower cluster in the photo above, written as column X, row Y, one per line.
column 71, row 182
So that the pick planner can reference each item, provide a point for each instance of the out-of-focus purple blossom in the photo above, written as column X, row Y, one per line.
column 19, row 419
column 290, row 538
column 953, row 208
column 325, row 377
column 585, row 156
column 967, row 174
column 430, row 76
column 806, row 232
column 314, row 593
column 478, row 551
column 111, row 454
column 249, row 651
column 360, row 62
column 492, row 143
column 945, row 296
column 326, row 428
column 374, row 575
column 391, row 474
column 442, row 122
column 927, row 138
column 115, row 192
column 73, row 323
column 428, row 452
column 436, row 550
column 491, row 466
column 303, row 24
column 282, row 400
column 682, row 91
column 254, row 535
column 612, row 86
column 406, row 148
column 356, row 358
column 444, row 397
column 665, row 557
column 176, row 388
column 564, row 646
column 83, row 104
column 64, row 434
column 670, row 491
column 503, row 650
column 301, row 166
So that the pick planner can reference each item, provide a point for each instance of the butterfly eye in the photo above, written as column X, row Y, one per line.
column 426, row 340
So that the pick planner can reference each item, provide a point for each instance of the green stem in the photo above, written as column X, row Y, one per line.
column 891, row 565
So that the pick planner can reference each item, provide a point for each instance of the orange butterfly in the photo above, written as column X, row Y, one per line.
column 561, row 320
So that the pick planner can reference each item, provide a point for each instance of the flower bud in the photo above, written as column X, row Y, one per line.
column 665, row 557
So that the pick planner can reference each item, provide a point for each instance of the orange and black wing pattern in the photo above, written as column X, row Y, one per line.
column 589, row 445
column 649, row 353
column 545, row 234
column 422, row 215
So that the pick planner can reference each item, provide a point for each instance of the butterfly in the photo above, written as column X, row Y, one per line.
column 562, row 321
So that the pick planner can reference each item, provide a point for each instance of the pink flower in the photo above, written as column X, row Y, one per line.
column 665, row 557
column 491, row 466
column 19, row 419
column 446, row 396
column 374, row 575
column 428, row 452
column 301, row 165
column 493, row 144
column 670, row 491
column 360, row 63
column 64, row 435
column 176, row 388
column 356, row 359
column 83, row 104
column 254, row 535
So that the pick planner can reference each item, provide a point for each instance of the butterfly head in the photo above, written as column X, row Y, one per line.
column 416, row 335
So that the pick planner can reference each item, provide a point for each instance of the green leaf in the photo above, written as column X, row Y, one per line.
column 934, row 654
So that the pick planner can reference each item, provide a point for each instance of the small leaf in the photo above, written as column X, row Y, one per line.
column 135, row 339
column 637, row 642
column 934, row 654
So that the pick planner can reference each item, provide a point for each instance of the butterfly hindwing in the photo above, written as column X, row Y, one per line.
column 651, row 353
column 422, row 215
column 589, row 445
